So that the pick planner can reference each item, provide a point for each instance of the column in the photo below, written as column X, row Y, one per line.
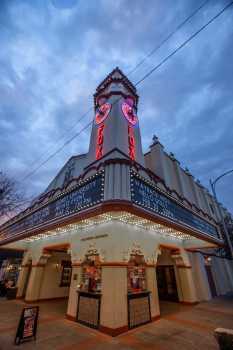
column 35, row 281
column 200, row 277
column 185, row 276
column 229, row 273
column 22, row 280
column 188, row 289
column 152, row 287
column 114, row 309
column 219, row 274
column 73, row 295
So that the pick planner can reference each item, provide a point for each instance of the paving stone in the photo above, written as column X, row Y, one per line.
column 180, row 328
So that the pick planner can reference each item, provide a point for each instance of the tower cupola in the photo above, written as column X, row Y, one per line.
column 115, row 126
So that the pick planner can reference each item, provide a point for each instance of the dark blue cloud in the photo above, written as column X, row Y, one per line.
column 55, row 52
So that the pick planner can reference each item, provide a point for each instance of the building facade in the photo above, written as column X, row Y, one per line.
column 117, row 232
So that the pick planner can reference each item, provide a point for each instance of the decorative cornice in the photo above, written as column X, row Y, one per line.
column 96, row 166
column 110, row 77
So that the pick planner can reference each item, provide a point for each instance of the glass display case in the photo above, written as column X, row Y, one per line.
column 91, row 274
column 89, row 291
column 136, row 274
column 139, row 311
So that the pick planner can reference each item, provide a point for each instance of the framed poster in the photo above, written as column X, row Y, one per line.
column 27, row 324
column 66, row 273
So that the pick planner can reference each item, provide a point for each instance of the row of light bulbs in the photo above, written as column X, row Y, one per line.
column 124, row 217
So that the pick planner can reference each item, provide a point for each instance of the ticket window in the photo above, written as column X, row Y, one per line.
column 91, row 275
column 137, row 274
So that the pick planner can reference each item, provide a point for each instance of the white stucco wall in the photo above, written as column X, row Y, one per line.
column 50, row 287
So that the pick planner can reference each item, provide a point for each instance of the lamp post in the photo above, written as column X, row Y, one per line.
column 213, row 184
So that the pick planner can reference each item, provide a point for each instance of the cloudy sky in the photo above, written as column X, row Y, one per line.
column 55, row 52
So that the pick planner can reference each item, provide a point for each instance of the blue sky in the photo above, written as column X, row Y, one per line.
column 55, row 52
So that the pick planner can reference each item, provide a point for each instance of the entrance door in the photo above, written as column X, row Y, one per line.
column 211, row 281
column 166, row 281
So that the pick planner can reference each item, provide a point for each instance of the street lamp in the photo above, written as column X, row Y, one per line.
column 213, row 184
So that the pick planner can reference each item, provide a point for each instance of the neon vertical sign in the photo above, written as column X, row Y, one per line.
column 101, row 115
column 131, row 140
column 100, row 142
column 128, row 112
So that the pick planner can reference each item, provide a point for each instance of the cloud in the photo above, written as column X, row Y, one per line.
column 54, row 54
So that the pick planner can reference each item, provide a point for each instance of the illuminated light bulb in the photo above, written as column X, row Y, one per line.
column 123, row 217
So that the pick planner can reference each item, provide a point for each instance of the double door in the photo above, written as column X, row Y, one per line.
column 166, row 281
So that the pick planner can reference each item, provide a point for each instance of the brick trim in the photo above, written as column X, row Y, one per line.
column 183, row 266
column 49, row 248
column 172, row 247
column 70, row 318
column 113, row 331
column 38, row 265
column 155, row 318
column 26, row 265
column 189, row 303
column 14, row 249
column 45, row 299
column 76, row 265
column 150, row 265
column 114, row 264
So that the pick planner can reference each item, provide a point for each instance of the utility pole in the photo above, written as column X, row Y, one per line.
column 213, row 184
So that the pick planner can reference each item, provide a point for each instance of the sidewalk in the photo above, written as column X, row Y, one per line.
column 180, row 328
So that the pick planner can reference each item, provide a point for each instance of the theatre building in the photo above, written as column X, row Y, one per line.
column 118, row 232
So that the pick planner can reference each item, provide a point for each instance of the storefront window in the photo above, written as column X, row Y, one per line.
column 136, row 274
column 10, row 270
column 91, row 274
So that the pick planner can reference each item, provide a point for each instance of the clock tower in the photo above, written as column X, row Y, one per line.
column 115, row 129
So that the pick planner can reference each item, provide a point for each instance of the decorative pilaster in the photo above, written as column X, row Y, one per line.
column 73, row 295
column 22, row 280
column 113, row 316
column 34, row 284
column 36, row 278
column 200, row 275
column 188, row 293
column 187, row 285
column 152, row 287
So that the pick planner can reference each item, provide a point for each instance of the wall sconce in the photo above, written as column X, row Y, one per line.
column 208, row 260
column 58, row 267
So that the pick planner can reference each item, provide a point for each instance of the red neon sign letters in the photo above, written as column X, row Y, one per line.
column 131, row 142
column 100, row 142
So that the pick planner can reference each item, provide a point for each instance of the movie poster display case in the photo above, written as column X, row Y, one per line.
column 139, row 312
column 89, row 292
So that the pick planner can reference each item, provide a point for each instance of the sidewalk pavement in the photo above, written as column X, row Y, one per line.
column 180, row 328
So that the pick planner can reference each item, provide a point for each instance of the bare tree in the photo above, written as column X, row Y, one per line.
column 11, row 198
